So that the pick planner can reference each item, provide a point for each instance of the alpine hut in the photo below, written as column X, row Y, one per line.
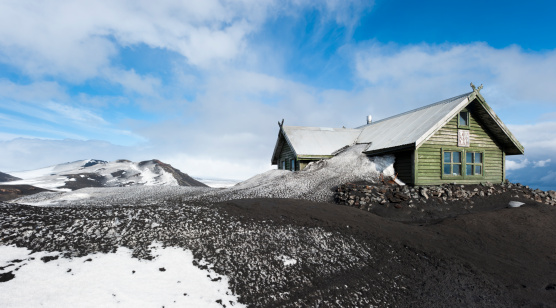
column 457, row 140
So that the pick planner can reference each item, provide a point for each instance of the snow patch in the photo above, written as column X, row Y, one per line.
column 111, row 280
column 288, row 261
column 74, row 196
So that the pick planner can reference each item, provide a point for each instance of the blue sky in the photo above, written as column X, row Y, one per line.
column 201, row 85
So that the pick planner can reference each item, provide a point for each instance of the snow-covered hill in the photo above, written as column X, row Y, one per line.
column 99, row 173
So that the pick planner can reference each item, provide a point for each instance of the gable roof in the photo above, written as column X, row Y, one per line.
column 314, row 142
column 479, row 107
column 406, row 130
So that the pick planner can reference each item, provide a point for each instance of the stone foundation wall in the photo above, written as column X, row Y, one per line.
column 365, row 196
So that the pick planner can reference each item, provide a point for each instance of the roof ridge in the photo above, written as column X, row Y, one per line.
column 321, row 127
column 445, row 101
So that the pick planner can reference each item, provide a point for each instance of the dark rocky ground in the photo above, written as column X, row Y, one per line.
column 10, row 192
column 485, row 256
column 4, row 177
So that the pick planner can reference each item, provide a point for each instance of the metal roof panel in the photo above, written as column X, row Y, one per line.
column 408, row 127
column 319, row 140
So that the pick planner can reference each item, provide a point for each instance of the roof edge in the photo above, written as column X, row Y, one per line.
column 274, row 160
column 426, row 136
column 505, row 129
column 409, row 146
column 444, row 101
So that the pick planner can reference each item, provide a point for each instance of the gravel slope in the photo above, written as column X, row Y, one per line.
column 294, row 253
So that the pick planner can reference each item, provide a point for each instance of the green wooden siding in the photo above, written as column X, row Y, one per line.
column 287, row 155
column 429, row 155
column 404, row 166
column 303, row 164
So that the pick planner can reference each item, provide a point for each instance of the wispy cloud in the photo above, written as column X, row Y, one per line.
column 515, row 165
column 542, row 163
column 510, row 71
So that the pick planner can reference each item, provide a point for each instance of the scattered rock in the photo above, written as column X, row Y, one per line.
column 46, row 259
column 6, row 276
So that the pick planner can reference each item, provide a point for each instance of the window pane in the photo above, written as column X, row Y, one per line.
column 447, row 168
column 469, row 169
column 463, row 118
column 457, row 157
column 447, row 157
column 468, row 157
column 477, row 170
column 456, row 170
column 478, row 158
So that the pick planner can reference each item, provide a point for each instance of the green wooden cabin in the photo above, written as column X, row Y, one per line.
column 457, row 140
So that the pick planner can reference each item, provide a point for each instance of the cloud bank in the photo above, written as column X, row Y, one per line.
column 203, row 84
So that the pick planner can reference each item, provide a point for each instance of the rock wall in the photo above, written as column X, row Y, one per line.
column 367, row 196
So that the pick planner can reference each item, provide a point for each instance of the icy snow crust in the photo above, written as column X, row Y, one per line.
column 314, row 183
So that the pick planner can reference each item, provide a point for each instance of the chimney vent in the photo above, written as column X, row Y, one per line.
column 369, row 119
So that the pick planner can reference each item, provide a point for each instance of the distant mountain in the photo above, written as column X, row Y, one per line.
column 4, row 177
column 99, row 173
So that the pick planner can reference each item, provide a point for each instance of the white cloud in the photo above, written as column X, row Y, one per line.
column 12, row 122
column 9, row 136
column 36, row 91
column 549, row 178
column 27, row 154
column 214, row 167
column 515, row 165
column 74, row 114
column 510, row 72
column 130, row 80
column 77, row 40
column 541, row 163
column 538, row 139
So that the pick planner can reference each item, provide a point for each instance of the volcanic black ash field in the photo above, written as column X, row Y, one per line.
column 278, row 239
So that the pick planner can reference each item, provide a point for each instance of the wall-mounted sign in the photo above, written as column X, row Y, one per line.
column 463, row 138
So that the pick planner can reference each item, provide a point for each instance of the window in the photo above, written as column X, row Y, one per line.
column 292, row 165
column 452, row 163
column 473, row 163
column 461, row 164
column 463, row 119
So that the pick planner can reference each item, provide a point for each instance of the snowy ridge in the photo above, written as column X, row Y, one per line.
column 314, row 183
column 98, row 173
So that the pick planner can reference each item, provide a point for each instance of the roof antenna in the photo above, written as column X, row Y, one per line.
column 476, row 89
column 281, row 124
